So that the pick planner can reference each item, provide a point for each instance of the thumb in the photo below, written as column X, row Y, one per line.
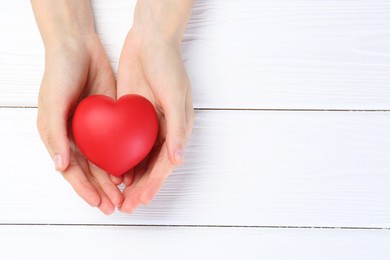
column 52, row 126
column 176, row 129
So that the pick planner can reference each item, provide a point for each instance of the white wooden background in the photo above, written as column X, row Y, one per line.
column 290, row 155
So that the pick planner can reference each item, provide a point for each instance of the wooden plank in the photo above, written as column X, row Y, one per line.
column 239, row 54
column 290, row 54
column 259, row 168
column 71, row 242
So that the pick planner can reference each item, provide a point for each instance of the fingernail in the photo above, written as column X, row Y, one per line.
column 58, row 162
column 179, row 156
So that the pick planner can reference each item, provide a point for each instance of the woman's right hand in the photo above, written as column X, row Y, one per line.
column 75, row 66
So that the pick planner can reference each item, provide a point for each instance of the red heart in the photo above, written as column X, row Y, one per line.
column 115, row 135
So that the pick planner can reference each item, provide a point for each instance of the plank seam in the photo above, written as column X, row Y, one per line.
column 198, row 226
column 251, row 109
column 293, row 109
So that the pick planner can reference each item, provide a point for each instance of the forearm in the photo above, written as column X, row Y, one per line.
column 63, row 19
column 165, row 19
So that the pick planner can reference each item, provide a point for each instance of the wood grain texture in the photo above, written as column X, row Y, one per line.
column 249, row 168
column 290, row 54
column 239, row 54
column 63, row 242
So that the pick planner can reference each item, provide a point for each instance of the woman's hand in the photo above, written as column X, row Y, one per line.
column 151, row 65
column 75, row 66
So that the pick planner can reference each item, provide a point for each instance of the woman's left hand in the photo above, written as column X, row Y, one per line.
column 153, row 68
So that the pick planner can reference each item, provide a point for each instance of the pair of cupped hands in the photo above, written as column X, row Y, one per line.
column 77, row 67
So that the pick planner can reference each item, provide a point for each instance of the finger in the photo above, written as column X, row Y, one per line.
column 52, row 126
column 139, row 170
column 190, row 114
column 80, row 183
column 132, row 192
column 105, row 205
column 128, row 190
column 159, row 172
column 175, row 115
column 108, row 187
column 128, row 177
column 142, row 173
column 131, row 201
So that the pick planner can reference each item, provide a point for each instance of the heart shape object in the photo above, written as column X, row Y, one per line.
column 115, row 135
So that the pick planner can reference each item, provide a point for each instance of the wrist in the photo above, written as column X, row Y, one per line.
column 63, row 20
column 74, row 48
column 161, row 20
